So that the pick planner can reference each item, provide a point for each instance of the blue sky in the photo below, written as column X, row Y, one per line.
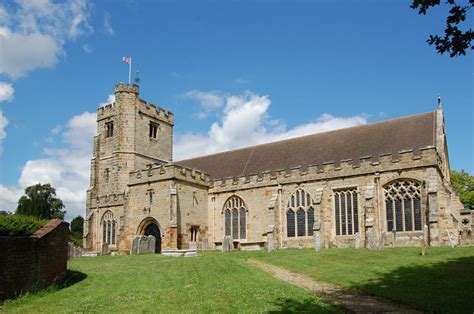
column 234, row 74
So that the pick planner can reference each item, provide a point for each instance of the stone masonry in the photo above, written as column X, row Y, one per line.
column 137, row 189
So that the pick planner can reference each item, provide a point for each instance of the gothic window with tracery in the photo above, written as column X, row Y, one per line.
column 299, row 215
column 108, row 228
column 403, row 205
column 346, row 211
column 235, row 218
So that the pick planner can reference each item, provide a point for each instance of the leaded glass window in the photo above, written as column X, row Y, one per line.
column 235, row 218
column 299, row 214
column 290, row 219
column 403, row 205
column 346, row 211
column 108, row 228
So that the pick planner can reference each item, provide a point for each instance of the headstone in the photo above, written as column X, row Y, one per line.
column 317, row 241
column 382, row 240
column 205, row 244
column 394, row 238
column 426, row 234
column 270, row 241
column 192, row 245
column 151, row 244
column 134, row 249
column 357, row 240
column 143, row 245
column 230, row 244
column 227, row 244
column 105, row 249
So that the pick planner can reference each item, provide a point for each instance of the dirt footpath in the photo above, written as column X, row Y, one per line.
column 343, row 297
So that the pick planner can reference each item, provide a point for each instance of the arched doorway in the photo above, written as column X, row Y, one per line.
column 154, row 230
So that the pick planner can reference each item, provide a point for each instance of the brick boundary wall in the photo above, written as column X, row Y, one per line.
column 31, row 263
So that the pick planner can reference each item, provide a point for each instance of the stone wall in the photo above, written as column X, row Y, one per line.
column 31, row 263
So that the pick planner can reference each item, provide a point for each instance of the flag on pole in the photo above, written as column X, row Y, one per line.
column 129, row 61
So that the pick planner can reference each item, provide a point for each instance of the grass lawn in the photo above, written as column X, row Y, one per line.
column 441, row 281
column 211, row 282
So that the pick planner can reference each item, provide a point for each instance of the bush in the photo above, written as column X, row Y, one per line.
column 18, row 225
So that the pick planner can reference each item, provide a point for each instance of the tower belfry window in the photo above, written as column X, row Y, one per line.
column 153, row 129
column 109, row 129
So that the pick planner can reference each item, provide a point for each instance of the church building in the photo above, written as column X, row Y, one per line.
column 382, row 183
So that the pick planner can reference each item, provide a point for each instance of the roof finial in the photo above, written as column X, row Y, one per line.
column 439, row 101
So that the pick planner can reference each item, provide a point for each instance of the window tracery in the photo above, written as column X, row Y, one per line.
column 235, row 218
column 299, row 215
column 403, row 205
column 108, row 228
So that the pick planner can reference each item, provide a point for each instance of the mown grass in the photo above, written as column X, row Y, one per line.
column 211, row 282
column 441, row 281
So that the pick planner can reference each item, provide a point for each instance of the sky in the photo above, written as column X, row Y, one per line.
column 234, row 73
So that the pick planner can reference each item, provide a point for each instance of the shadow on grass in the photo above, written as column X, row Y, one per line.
column 441, row 287
column 72, row 277
column 299, row 306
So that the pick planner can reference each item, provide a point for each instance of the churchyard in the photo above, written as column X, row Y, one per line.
column 440, row 281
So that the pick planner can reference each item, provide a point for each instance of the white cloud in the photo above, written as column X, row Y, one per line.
column 3, row 133
column 209, row 101
column 245, row 121
column 87, row 49
column 6, row 91
column 107, row 26
column 110, row 100
column 66, row 168
column 34, row 34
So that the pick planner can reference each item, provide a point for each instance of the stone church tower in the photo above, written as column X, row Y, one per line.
column 381, row 184
column 130, row 136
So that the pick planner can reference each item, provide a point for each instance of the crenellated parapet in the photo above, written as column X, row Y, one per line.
column 405, row 159
column 155, row 112
column 126, row 88
column 106, row 111
column 160, row 172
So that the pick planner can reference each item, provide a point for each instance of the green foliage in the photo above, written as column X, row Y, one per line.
column 40, row 201
column 77, row 225
column 464, row 185
column 455, row 41
column 18, row 225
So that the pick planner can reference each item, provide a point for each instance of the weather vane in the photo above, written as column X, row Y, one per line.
column 137, row 78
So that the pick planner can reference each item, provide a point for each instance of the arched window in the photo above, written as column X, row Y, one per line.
column 403, row 205
column 346, row 212
column 235, row 218
column 299, row 215
column 108, row 224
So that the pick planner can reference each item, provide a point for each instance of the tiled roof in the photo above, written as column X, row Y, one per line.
column 374, row 139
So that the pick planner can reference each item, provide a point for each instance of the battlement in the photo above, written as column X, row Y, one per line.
column 405, row 159
column 159, row 172
column 106, row 111
column 127, row 88
column 151, row 110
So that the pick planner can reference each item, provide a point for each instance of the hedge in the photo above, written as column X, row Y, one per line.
column 18, row 225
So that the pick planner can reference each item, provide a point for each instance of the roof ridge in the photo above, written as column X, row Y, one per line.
column 308, row 135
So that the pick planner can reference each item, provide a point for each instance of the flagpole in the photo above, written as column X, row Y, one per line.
column 129, row 70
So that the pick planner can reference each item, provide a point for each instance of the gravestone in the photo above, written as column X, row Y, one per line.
column 394, row 238
column 317, row 241
column 382, row 240
column 134, row 249
column 270, row 241
column 227, row 244
column 192, row 245
column 151, row 244
column 143, row 245
column 451, row 241
column 357, row 240
column 205, row 244
column 105, row 249
column 426, row 234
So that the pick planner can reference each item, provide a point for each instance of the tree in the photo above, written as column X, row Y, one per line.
column 40, row 201
column 455, row 41
column 464, row 185
column 77, row 225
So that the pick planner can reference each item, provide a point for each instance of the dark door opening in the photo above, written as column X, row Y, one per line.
column 152, row 229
